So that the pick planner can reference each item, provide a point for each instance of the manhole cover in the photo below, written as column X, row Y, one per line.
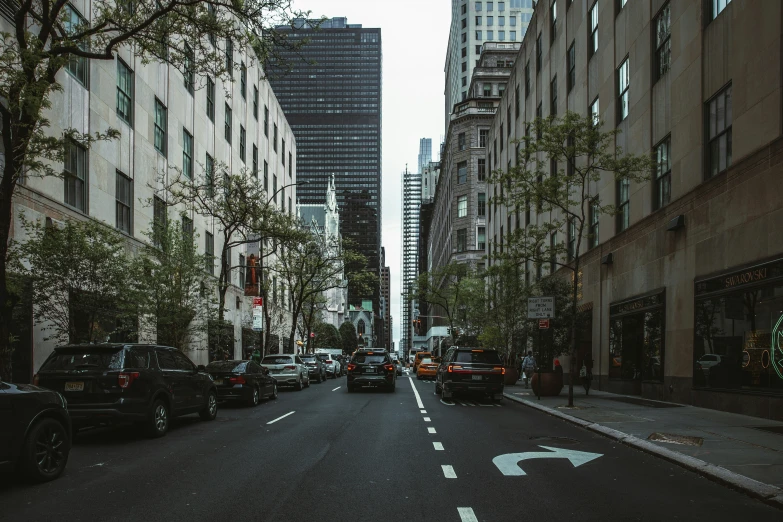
column 670, row 438
column 643, row 402
column 556, row 440
column 778, row 430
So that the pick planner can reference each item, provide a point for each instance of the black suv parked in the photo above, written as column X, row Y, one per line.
column 111, row 383
column 371, row 368
column 470, row 370
column 35, row 432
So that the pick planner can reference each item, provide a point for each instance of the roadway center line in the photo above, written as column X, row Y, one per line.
column 426, row 419
column 466, row 514
column 438, row 446
column 416, row 392
column 424, row 411
column 431, row 430
column 448, row 472
column 337, row 388
column 280, row 418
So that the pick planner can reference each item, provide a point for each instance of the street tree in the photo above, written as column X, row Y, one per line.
column 350, row 340
column 503, row 311
column 49, row 36
column 309, row 319
column 82, row 282
column 446, row 289
column 560, row 164
column 326, row 336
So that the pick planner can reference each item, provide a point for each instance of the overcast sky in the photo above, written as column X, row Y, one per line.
column 414, row 35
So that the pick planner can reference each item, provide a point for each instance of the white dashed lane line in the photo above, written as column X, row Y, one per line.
column 426, row 419
column 466, row 514
column 337, row 388
column 448, row 472
column 424, row 411
column 438, row 446
column 280, row 418
column 431, row 430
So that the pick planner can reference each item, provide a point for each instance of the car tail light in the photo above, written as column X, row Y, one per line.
column 125, row 379
column 389, row 367
column 290, row 367
column 36, row 380
column 453, row 367
column 329, row 362
column 238, row 379
column 351, row 367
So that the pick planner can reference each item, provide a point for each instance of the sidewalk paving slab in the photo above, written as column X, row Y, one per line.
column 732, row 452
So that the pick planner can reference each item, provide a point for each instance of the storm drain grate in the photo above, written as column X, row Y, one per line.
column 778, row 430
column 643, row 402
column 670, row 438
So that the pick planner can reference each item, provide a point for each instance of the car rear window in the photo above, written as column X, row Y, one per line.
column 426, row 360
column 84, row 359
column 227, row 366
column 488, row 357
column 308, row 357
column 277, row 360
column 323, row 356
column 362, row 358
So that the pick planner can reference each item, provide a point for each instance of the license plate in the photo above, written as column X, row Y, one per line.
column 218, row 381
column 369, row 370
column 74, row 386
column 476, row 377
column 275, row 371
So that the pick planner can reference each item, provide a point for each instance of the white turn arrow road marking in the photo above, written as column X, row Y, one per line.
column 508, row 464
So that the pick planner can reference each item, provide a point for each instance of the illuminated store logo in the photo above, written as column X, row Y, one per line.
column 777, row 347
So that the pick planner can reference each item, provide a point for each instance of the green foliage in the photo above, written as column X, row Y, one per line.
column 350, row 341
column 82, row 281
column 504, row 314
column 448, row 290
column 327, row 336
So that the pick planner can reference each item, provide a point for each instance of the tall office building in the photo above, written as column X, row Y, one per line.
column 411, row 203
column 472, row 24
column 425, row 153
column 332, row 99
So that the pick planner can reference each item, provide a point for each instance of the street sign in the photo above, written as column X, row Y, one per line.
column 541, row 308
column 258, row 301
column 543, row 324
column 312, row 334
column 258, row 323
column 508, row 464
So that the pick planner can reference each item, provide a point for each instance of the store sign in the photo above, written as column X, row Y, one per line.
column 741, row 278
column 637, row 304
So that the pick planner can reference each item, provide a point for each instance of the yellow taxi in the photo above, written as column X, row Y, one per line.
column 427, row 369
column 419, row 357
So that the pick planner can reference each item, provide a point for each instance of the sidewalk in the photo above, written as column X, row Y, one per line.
column 741, row 451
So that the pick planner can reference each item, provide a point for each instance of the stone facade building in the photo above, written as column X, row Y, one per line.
column 684, row 287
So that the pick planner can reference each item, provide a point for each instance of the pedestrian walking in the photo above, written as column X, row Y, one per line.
column 256, row 357
column 528, row 367
column 586, row 375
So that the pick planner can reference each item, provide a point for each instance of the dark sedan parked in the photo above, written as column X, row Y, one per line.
column 113, row 383
column 315, row 367
column 242, row 381
column 35, row 437
column 371, row 369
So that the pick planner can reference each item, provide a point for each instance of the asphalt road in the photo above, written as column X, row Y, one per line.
column 369, row 456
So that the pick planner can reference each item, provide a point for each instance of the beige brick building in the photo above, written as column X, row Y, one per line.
column 685, row 285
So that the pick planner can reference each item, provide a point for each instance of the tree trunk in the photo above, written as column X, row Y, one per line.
column 7, row 300
column 574, row 322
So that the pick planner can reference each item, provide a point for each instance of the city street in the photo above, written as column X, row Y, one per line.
column 369, row 456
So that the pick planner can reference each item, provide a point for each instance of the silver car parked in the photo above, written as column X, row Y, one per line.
column 287, row 370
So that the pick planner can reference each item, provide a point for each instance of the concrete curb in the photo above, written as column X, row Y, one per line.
column 764, row 492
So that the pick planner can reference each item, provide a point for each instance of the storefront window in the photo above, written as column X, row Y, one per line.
column 739, row 331
column 636, row 334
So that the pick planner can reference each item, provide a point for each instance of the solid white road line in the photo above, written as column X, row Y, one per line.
column 438, row 446
column 427, row 419
column 466, row 514
column 431, row 430
column 337, row 388
column 448, row 472
column 418, row 398
column 280, row 418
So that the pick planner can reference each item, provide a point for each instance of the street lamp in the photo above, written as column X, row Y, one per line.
column 261, row 268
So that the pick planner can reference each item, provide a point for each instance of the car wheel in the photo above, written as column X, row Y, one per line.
column 320, row 380
column 254, row 398
column 438, row 389
column 45, row 451
column 393, row 387
column 274, row 391
column 298, row 385
column 209, row 412
column 307, row 383
column 158, row 422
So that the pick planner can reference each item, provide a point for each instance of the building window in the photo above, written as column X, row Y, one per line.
column 594, row 214
column 501, row 137
column 483, row 134
column 187, row 154
column 490, row 21
column 553, row 21
column 482, row 204
column 595, row 112
column 242, row 264
column 209, row 253
column 571, row 239
column 478, row 51
column 274, row 188
column 478, row 38
column 266, row 177
column 508, row 120
column 527, row 78
column 124, row 92
column 211, row 99
column 516, row 103
column 513, row 35
column 461, row 141
column 663, row 43
column 512, row 20
column 462, row 206
column 553, row 253
column 501, row 6
column 188, row 65
column 502, row 35
column 490, row 34
column 490, row 6
column 539, row 51
column 290, row 164
column 571, row 67
column 160, row 127
column 255, row 161
column 209, row 174
column 478, row 21
column 719, row 124
column 242, row 138
column 187, row 227
column 478, row 6
column 481, row 238
column 230, row 57
column 623, row 80
column 243, row 80
column 623, row 204
column 75, row 176
column 501, row 21
column 274, row 137
column 462, row 240
column 159, row 221
column 124, row 197
column 482, row 169
column 593, row 45
column 462, row 172
column 539, row 115
column 266, row 121
column 282, row 154
column 227, row 125
column 487, row 90
column 255, row 102
column 663, row 172
column 78, row 66
column 571, row 154
column 553, row 96
column 717, row 8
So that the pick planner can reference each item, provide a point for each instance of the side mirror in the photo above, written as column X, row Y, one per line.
column 201, row 368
